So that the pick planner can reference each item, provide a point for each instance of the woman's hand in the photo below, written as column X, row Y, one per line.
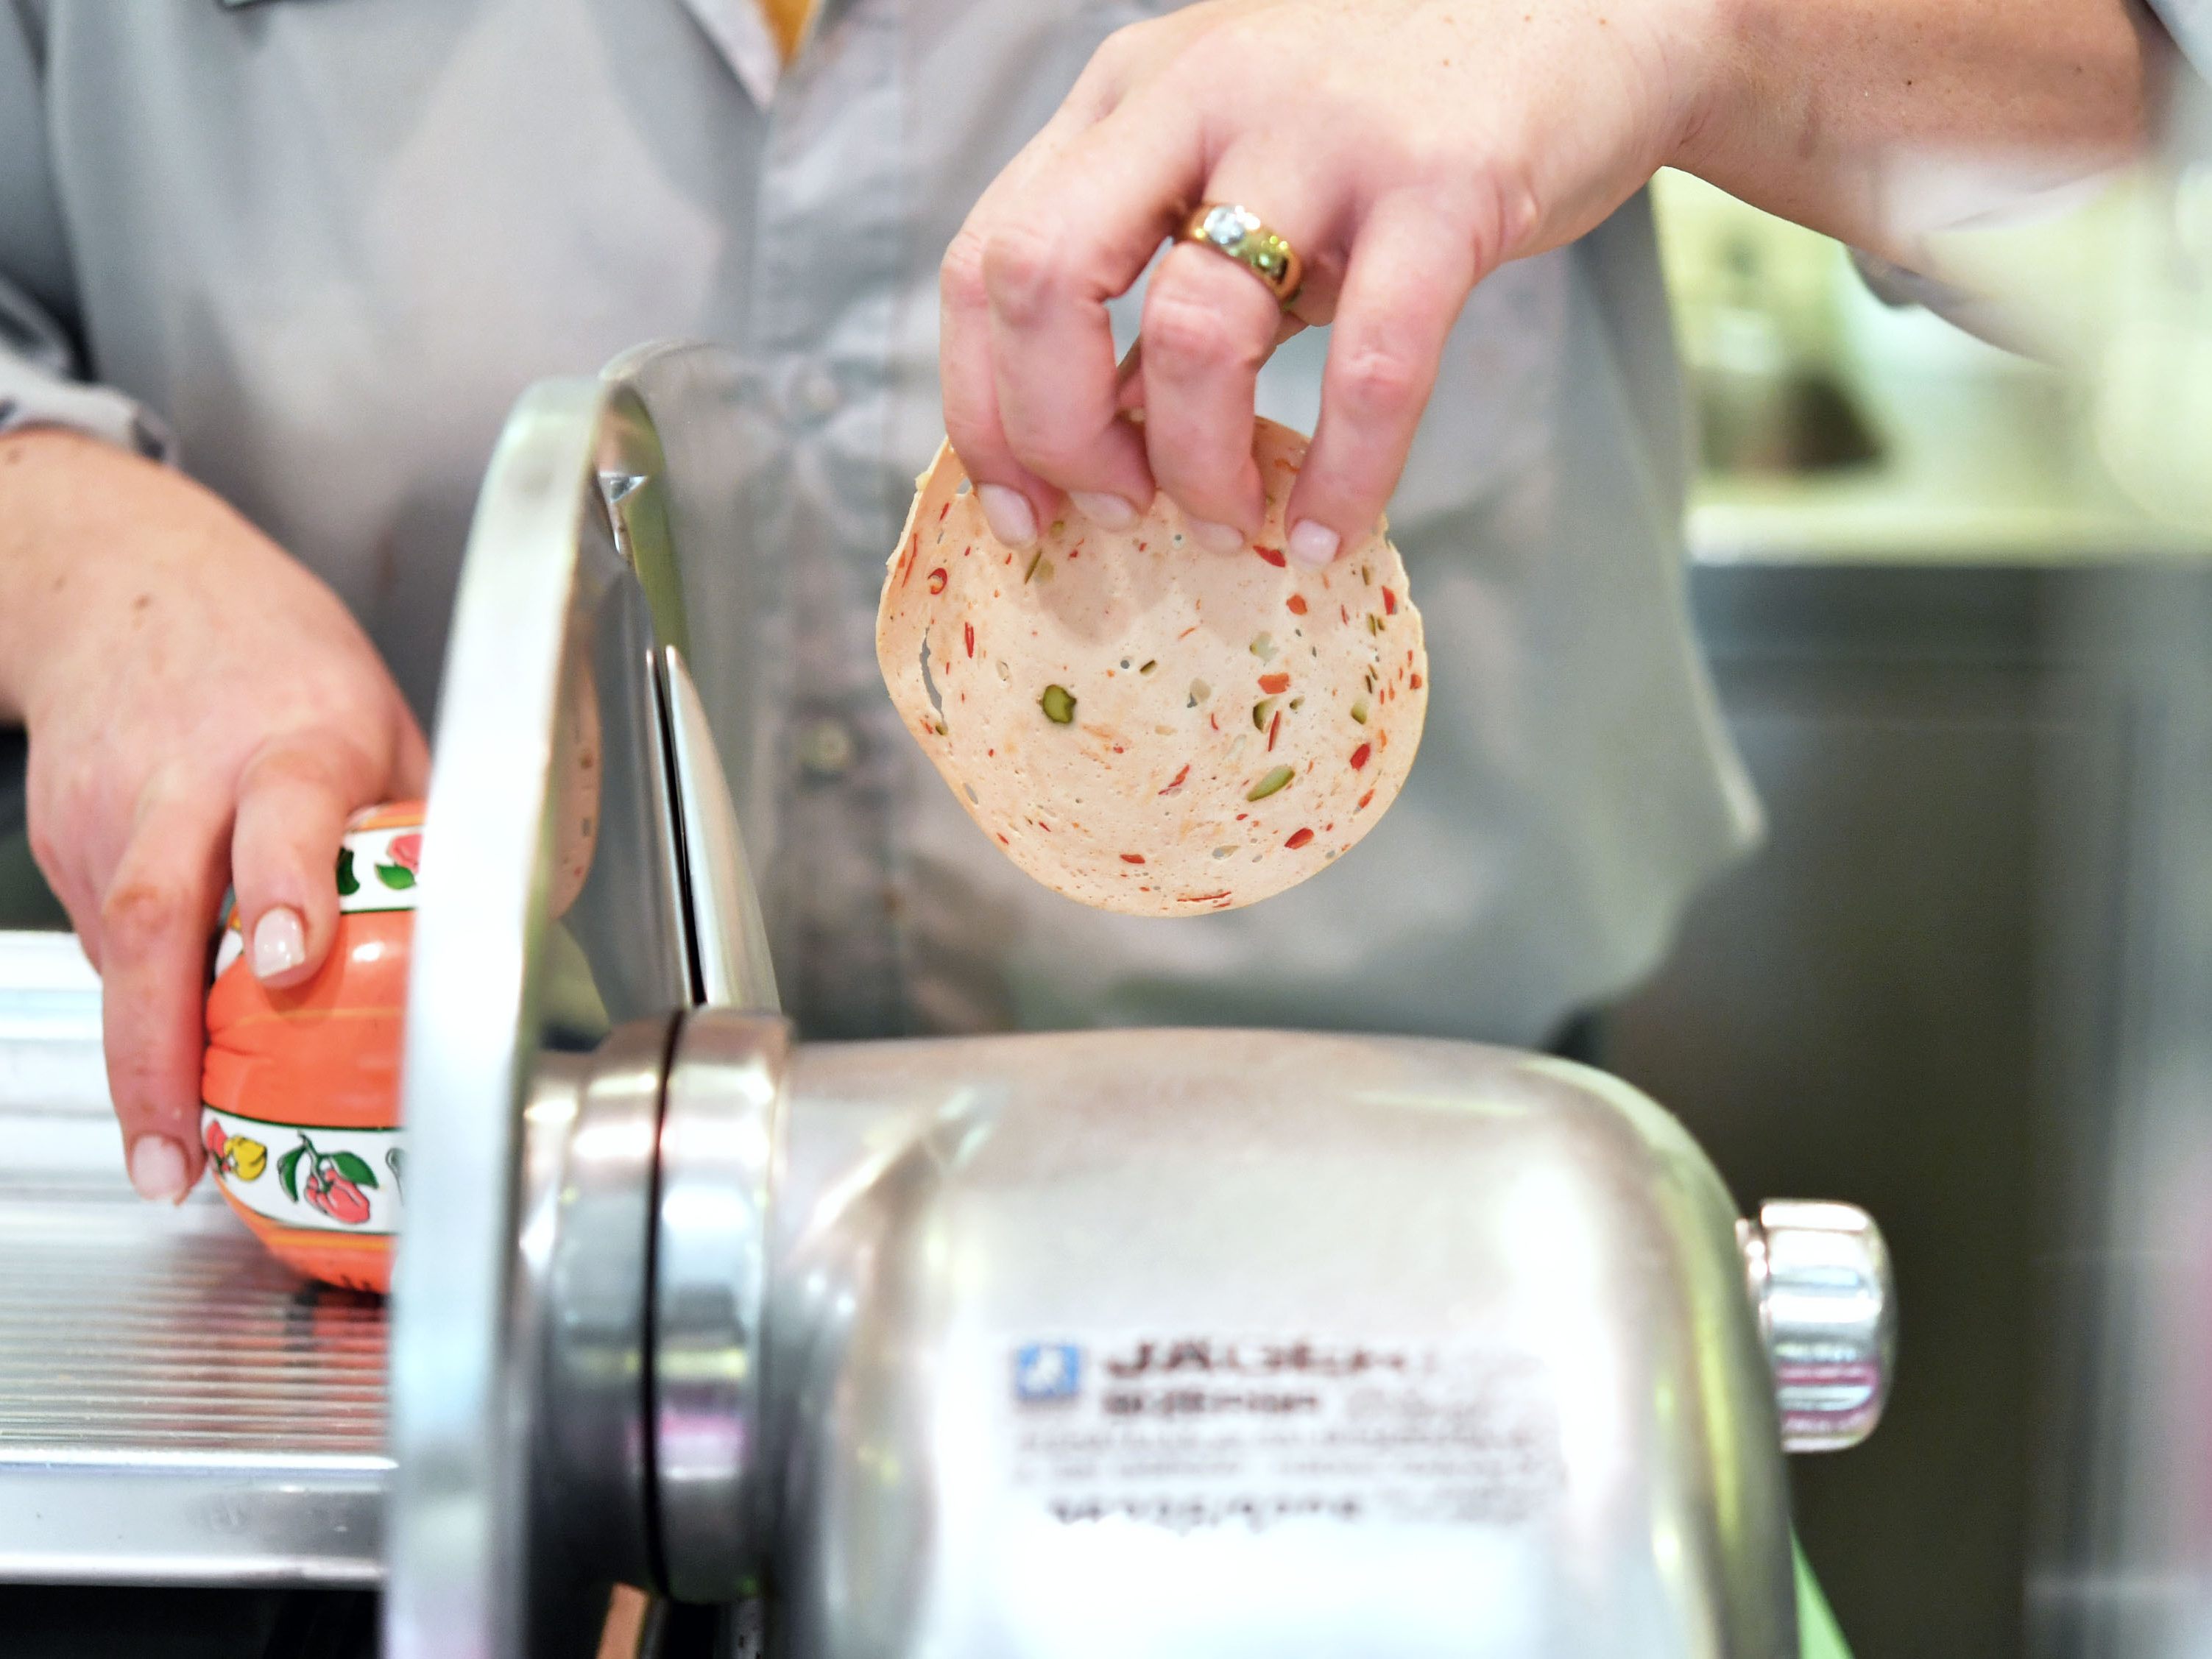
column 203, row 714
column 1405, row 148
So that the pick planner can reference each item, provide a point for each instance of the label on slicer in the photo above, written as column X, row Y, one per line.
column 1188, row 1432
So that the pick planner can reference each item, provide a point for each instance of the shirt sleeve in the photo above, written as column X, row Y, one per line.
column 42, row 381
column 2189, row 23
column 1895, row 286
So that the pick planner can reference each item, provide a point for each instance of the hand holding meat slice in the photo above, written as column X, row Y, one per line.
column 1144, row 726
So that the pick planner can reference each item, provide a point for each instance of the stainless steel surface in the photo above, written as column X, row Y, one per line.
column 729, row 939
column 2122, row 1558
column 175, row 1407
column 1239, row 1342
column 719, row 1136
column 49, row 1056
column 1820, row 1280
column 593, row 1478
column 551, row 911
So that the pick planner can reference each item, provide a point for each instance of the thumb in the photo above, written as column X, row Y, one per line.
column 295, row 797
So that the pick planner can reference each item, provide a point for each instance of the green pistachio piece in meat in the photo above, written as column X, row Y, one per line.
column 1058, row 703
column 1267, row 785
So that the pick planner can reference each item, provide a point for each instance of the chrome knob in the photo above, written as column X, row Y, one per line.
column 1820, row 1282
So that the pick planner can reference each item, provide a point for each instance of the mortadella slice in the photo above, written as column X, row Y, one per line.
column 1142, row 724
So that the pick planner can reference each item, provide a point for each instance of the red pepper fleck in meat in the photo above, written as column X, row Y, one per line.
column 1132, row 858
column 969, row 629
column 937, row 580
column 1296, row 605
column 1273, row 555
column 1389, row 603
column 1202, row 898
column 1417, row 682
column 1273, row 684
column 1273, row 727
column 1176, row 782
column 1298, row 838
column 1364, row 799
column 1359, row 756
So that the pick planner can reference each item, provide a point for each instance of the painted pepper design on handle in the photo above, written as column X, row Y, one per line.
column 332, row 1184
column 405, row 853
column 240, row 1157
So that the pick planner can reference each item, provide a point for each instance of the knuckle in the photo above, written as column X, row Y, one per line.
column 1188, row 332
column 290, row 762
column 1228, row 59
column 1118, row 54
column 46, row 851
column 1502, row 211
column 960, row 276
column 1026, row 269
column 141, row 910
column 1125, row 54
column 1377, row 379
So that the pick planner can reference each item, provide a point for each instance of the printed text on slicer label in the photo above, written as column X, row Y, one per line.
column 1191, row 1431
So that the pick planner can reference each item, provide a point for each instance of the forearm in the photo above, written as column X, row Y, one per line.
column 39, row 468
column 1864, row 118
column 93, row 538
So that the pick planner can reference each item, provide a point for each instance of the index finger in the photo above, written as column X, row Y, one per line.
column 1078, row 233
column 1014, row 499
column 155, row 921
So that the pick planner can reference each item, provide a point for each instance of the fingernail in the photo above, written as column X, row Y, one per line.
column 280, row 942
column 1217, row 538
column 1007, row 512
column 1106, row 512
column 157, row 1169
column 1311, row 545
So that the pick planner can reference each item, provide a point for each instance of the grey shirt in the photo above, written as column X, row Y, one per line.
column 324, row 246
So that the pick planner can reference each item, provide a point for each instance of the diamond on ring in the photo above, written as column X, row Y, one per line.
column 1238, row 234
column 1227, row 226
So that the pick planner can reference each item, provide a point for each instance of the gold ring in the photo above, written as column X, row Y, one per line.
column 1240, row 233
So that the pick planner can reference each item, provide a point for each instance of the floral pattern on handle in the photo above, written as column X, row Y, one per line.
column 326, row 1179
column 333, row 1181
column 378, row 869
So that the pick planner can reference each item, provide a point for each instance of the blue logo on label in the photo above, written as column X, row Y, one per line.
column 1048, row 1370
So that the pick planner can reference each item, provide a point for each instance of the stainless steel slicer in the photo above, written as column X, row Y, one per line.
column 1174, row 1342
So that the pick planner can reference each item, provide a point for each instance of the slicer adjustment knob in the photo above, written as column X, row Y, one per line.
column 1820, row 1279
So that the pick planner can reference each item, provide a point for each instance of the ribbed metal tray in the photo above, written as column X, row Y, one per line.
column 175, row 1407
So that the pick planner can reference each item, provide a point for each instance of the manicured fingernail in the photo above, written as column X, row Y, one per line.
column 1217, row 538
column 1106, row 512
column 1007, row 512
column 157, row 1169
column 1311, row 545
column 280, row 942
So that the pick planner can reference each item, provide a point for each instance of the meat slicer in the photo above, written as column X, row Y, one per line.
column 1011, row 1347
